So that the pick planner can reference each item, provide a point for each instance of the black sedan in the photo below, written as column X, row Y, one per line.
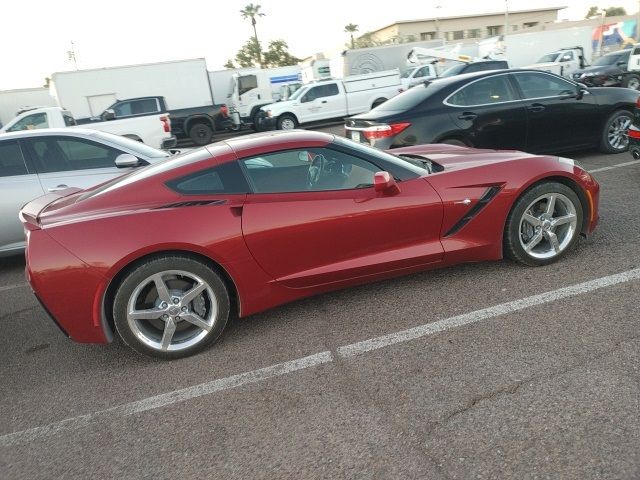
column 506, row 109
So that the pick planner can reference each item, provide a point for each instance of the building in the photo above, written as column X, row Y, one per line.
column 465, row 27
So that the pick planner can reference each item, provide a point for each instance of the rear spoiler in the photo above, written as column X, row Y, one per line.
column 30, row 212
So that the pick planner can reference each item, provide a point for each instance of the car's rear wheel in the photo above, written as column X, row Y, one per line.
column 170, row 307
column 201, row 134
column 543, row 224
column 455, row 141
column 615, row 131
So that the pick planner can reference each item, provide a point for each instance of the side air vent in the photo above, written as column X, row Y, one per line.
column 192, row 203
column 487, row 196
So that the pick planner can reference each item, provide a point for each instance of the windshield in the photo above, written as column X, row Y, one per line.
column 297, row 93
column 406, row 73
column 452, row 71
column 609, row 59
column 551, row 57
column 415, row 167
column 138, row 147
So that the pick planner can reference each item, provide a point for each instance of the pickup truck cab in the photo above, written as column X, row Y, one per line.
column 331, row 99
column 152, row 130
column 563, row 62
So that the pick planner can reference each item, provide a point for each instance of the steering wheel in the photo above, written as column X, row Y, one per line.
column 316, row 170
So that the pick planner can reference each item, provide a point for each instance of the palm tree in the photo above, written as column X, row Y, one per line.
column 252, row 11
column 351, row 29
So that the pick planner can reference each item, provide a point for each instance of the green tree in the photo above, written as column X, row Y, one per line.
column 229, row 64
column 609, row 12
column 593, row 11
column 252, row 11
column 615, row 12
column 248, row 54
column 277, row 55
column 351, row 29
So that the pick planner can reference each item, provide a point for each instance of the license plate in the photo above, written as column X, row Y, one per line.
column 355, row 136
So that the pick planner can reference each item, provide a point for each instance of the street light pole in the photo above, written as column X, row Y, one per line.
column 506, row 18
column 437, row 26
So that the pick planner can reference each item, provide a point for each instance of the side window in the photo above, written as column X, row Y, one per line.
column 309, row 170
column 11, row 161
column 540, row 85
column 31, row 122
column 60, row 154
column 482, row 92
column 330, row 90
column 312, row 94
column 123, row 109
column 69, row 121
column 223, row 179
column 246, row 83
column 566, row 57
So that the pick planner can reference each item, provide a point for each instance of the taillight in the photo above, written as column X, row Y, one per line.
column 634, row 133
column 638, row 102
column 383, row 131
column 166, row 124
column 224, row 110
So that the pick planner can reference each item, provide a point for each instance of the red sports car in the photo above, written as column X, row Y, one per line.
column 163, row 254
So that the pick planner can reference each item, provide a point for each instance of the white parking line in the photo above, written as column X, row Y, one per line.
column 347, row 351
column 12, row 287
column 619, row 165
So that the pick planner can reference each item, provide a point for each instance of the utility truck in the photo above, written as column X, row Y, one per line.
column 153, row 130
column 563, row 62
column 331, row 99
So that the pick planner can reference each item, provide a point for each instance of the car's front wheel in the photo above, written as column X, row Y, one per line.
column 543, row 224
column 170, row 307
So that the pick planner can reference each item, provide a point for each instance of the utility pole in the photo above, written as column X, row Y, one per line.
column 438, row 26
column 506, row 18
column 72, row 55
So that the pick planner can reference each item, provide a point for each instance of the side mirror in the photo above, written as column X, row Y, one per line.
column 109, row 114
column 582, row 89
column 126, row 160
column 384, row 182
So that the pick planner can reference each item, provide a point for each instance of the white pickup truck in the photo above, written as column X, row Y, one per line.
column 153, row 130
column 331, row 99
column 562, row 62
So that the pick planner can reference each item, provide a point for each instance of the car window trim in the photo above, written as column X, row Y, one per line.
column 516, row 92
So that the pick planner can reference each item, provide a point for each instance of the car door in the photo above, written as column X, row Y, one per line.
column 18, row 185
column 315, row 218
column 322, row 102
column 557, row 118
column 489, row 113
column 66, row 161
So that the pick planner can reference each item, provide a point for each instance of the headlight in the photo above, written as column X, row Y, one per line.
column 268, row 112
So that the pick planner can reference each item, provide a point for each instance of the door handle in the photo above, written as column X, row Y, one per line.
column 536, row 107
column 467, row 116
column 323, row 101
column 58, row 188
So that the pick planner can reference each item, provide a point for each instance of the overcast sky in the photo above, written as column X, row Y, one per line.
column 36, row 34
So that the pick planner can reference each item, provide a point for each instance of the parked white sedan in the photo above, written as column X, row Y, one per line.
column 36, row 162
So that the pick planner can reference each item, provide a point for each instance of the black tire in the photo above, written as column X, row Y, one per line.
column 614, row 137
column 513, row 235
column 201, row 134
column 189, row 338
column 454, row 141
column 632, row 82
column 287, row 119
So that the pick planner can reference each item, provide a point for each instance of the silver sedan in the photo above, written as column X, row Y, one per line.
column 34, row 163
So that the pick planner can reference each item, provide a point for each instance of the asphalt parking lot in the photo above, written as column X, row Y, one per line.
column 488, row 370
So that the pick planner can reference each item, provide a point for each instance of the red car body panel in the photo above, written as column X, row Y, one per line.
column 276, row 248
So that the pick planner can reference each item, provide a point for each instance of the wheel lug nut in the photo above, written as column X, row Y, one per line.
column 163, row 305
column 184, row 309
column 166, row 317
column 175, row 300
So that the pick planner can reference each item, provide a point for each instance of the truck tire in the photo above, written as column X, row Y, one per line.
column 201, row 134
column 286, row 121
column 632, row 82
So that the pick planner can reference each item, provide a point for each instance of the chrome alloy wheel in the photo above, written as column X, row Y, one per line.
column 172, row 310
column 617, row 134
column 548, row 226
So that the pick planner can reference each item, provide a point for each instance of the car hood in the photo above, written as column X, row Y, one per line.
column 453, row 157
